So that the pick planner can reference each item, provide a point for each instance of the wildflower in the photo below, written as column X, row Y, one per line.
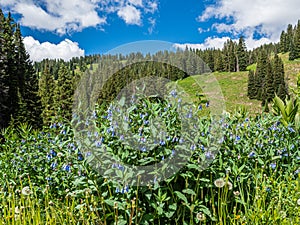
column 173, row 93
column 291, row 129
column 209, row 155
column 236, row 193
column 88, row 191
column 193, row 147
column 298, row 201
column 67, row 168
column 200, row 216
column 26, row 191
column 207, row 104
column 251, row 154
column 273, row 165
column 17, row 210
column 52, row 152
column 229, row 185
column 219, row 183
column 200, row 107
column 53, row 165
column 59, row 154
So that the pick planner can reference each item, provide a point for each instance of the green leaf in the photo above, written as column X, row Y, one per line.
column 189, row 191
column 181, row 196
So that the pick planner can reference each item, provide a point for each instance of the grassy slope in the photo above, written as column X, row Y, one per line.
column 234, row 85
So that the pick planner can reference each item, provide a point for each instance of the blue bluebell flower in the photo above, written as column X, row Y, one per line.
column 251, row 154
column 67, row 168
column 273, row 165
column 173, row 93
column 53, row 165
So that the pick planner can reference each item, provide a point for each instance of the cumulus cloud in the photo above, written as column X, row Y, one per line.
column 64, row 50
column 208, row 43
column 130, row 14
column 136, row 2
column 218, row 43
column 74, row 15
column 268, row 17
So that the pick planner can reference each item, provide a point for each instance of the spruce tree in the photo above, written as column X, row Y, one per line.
column 279, row 83
column 252, row 92
column 46, row 93
column 261, row 73
column 241, row 55
column 4, row 78
column 64, row 91
column 283, row 42
column 29, row 107
column 10, row 68
column 295, row 43
column 269, row 80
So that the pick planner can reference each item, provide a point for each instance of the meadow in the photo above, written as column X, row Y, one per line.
column 242, row 167
column 253, row 178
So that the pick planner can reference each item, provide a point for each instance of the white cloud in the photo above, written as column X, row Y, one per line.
column 152, row 23
column 208, row 43
column 64, row 50
column 130, row 14
column 218, row 43
column 268, row 17
column 64, row 16
column 136, row 2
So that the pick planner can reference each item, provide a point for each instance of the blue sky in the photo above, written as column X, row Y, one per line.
column 66, row 28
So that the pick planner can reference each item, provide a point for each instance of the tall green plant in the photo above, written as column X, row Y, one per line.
column 288, row 110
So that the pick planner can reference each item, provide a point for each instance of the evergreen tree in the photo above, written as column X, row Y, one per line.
column 269, row 92
column 4, row 78
column 230, row 56
column 295, row 45
column 46, row 93
column 10, row 68
column 283, row 43
column 64, row 91
column 241, row 55
column 280, row 86
column 261, row 74
column 252, row 92
column 28, row 111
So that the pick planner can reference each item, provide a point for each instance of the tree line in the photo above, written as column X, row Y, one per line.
column 37, row 92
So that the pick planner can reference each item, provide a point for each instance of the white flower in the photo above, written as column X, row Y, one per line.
column 219, row 183
column 298, row 201
column 17, row 210
column 236, row 193
column 200, row 216
column 26, row 191
column 59, row 154
column 229, row 184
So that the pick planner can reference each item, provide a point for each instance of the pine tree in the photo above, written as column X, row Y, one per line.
column 4, row 79
column 269, row 83
column 46, row 93
column 64, row 91
column 283, row 42
column 10, row 68
column 295, row 43
column 252, row 92
column 29, row 107
column 280, row 86
column 261, row 73
column 241, row 55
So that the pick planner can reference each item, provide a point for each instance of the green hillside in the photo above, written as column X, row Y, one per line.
column 234, row 85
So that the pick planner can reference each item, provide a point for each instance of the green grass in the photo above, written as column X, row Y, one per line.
column 234, row 85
